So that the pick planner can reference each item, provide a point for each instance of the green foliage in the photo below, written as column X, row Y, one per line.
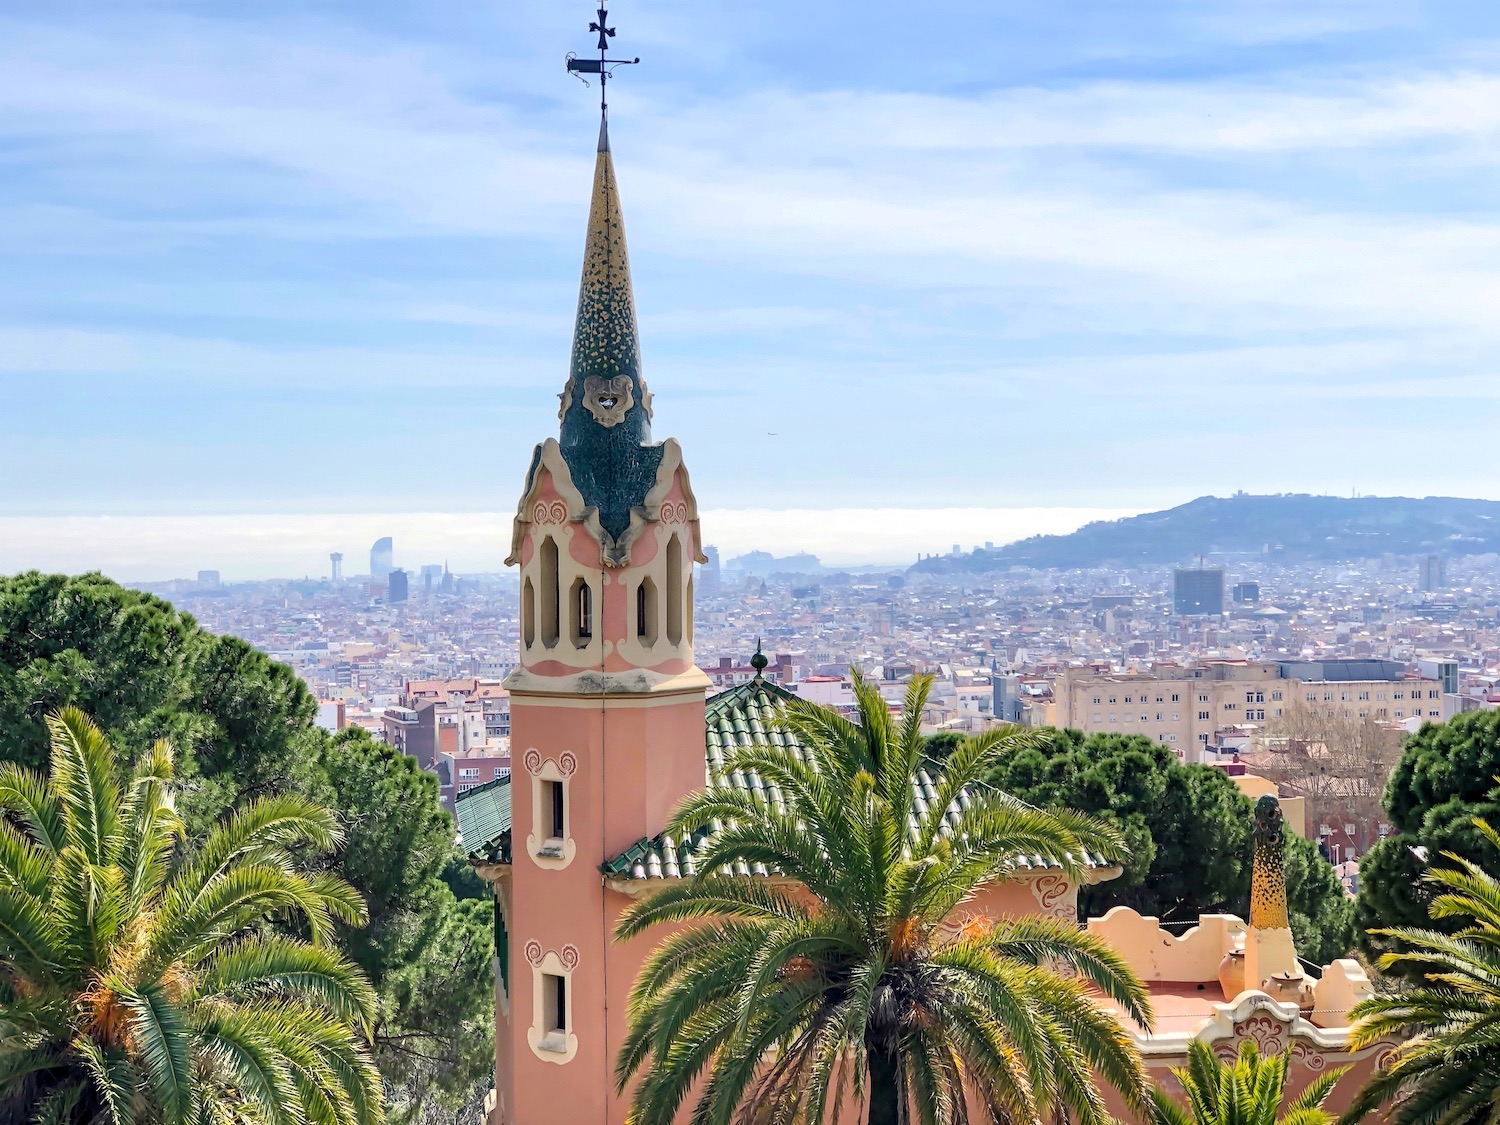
column 428, row 952
column 1448, row 1067
column 855, row 981
column 1445, row 778
column 243, row 726
column 1321, row 912
column 241, row 722
column 1188, row 829
column 139, row 981
column 1248, row 1091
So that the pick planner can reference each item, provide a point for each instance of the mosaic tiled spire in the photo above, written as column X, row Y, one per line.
column 606, row 408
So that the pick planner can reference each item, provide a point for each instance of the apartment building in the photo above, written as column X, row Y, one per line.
column 459, row 771
column 1184, row 706
column 435, row 717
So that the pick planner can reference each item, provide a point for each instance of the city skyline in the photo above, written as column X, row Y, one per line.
column 320, row 244
column 264, row 545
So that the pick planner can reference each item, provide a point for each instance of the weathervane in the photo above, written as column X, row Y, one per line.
column 603, row 67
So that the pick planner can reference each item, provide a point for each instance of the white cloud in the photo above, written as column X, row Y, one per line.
column 899, row 188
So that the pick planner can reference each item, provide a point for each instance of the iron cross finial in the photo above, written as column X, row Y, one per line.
column 605, row 33
column 602, row 66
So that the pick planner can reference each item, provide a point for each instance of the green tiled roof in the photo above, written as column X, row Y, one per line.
column 484, row 821
column 743, row 716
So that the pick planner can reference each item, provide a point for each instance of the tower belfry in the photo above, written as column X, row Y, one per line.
column 607, row 705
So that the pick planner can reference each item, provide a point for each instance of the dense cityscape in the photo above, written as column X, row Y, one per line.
column 1375, row 648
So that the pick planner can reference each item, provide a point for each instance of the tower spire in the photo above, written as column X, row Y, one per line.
column 605, row 411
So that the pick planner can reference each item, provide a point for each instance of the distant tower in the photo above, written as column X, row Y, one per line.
column 382, row 556
column 337, row 559
column 1198, row 592
column 398, row 589
column 607, row 707
column 711, row 572
column 1434, row 572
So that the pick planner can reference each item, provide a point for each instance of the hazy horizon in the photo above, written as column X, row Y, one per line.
column 271, row 545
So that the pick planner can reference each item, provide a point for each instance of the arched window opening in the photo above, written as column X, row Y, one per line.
column 581, row 612
column 528, row 613
column 645, row 611
column 551, row 596
column 690, row 611
column 674, row 591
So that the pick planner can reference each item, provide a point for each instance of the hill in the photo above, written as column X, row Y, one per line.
column 1291, row 528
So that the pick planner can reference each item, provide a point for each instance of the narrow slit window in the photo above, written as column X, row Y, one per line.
column 555, row 1003
column 674, row 591
column 528, row 614
column 581, row 612
column 551, row 596
column 555, row 809
column 646, row 611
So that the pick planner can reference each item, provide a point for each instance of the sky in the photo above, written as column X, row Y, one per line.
column 274, row 274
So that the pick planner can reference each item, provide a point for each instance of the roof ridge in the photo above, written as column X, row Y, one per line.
column 731, row 695
column 485, row 788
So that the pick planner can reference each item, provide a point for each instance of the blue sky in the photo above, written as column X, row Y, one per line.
column 322, row 258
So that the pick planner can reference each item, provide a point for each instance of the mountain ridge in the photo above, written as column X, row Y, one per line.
column 1289, row 527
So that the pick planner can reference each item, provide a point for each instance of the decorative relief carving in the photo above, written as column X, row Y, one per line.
column 554, row 512
column 1309, row 1056
column 1268, row 1033
column 608, row 400
column 566, row 763
column 1052, row 895
column 567, row 956
column 674, row 512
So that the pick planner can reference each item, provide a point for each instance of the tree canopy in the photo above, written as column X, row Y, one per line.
column 138, row 980
column 242, row 726
column 1445, row 779
column 1448, row 1017
column 1188, row 829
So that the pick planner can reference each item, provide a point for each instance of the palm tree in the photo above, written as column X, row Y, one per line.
column 1448, row 1068
column 142, row 984
column 785, row 993
column 1248, row 1091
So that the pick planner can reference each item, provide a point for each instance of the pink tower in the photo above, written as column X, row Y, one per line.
column 607, row 707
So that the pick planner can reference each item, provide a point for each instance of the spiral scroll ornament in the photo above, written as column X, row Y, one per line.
column 554, row 512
